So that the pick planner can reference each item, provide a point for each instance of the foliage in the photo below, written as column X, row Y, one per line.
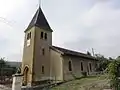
column 88, row 53
column 6, row 70
column 2, row 62
column 84, row 74
column 114, row 74
column 111, row 58
column 103, row 62
column 118, row 58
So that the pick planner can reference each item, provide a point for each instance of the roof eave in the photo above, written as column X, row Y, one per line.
column 92, row 58
column 62, row 53
column 38, row 27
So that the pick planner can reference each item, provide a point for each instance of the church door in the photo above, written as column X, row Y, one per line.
column 25, row 78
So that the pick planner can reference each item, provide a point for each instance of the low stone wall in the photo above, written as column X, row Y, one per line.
column 41, row 87
column 45, row 87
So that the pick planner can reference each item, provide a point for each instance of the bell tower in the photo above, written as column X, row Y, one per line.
column 36, row 52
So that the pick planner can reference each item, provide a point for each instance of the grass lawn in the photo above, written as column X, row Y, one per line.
column 91, row 82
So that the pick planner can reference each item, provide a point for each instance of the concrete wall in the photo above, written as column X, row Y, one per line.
column 76, row 66
column 56, row 66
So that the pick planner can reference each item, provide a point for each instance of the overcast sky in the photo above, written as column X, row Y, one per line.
column 77, row 24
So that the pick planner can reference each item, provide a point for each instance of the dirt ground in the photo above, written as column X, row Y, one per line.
column 90, row 83
column 2, row 87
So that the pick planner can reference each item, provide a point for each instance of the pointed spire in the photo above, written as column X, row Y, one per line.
column 40, row 21
column 39, row 3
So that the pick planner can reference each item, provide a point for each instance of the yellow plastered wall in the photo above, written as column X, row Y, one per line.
column 56, row 66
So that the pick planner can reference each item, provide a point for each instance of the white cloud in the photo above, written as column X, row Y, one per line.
column 79, row 25
column 101, row 28
column 14, row 17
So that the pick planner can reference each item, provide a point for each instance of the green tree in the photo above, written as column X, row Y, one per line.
column 88, row 53
column 2, row 62
column 113, row 72
column 103, row 62
column 6, row 70
column 118, row 58
column 111, row 59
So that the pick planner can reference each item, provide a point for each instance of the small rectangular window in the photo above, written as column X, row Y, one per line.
column 42, row 35
column 42, row 69
column 43, row 51
column 45, row 35
column 81, row 66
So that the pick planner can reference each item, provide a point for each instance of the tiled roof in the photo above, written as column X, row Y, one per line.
column 40, row 21
column 73, row 53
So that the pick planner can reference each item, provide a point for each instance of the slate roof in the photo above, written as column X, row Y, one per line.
column 73, row 53
column 40, row 21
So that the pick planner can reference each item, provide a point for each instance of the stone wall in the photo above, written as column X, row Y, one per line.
column 76, row 67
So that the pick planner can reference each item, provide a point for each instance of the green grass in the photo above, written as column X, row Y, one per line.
column 81, row 84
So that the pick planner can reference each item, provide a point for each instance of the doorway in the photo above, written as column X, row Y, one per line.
column 25, row 76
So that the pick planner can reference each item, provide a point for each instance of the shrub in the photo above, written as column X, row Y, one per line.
column 84, row 74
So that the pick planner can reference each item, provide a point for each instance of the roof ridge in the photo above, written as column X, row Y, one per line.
column 36, row 16
column 69, row 49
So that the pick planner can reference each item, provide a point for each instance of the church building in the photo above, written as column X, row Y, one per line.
column 42, row 61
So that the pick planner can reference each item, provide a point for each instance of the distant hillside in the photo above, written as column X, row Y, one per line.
column 14, row 64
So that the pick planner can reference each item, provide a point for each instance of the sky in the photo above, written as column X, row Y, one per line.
column 78, row 25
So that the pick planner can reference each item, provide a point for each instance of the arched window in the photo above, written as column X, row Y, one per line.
column 45, row 36
column 81, row 64
column 41, row 35
column 70, row 66
column 29, row 36
column 90, row 66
